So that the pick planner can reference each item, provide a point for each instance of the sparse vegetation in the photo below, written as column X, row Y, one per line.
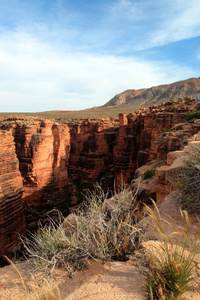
column 148, row 174
column 192, row 115
column 104, row 229
column 171, row 264
column 66, row 116
column 173, row 104
column 168, row 132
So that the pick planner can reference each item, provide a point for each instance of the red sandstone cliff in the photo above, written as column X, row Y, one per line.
column 12, row 218
column 42, row 148
column 91, row 153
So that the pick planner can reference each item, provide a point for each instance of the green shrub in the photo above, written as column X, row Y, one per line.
column 165, row 129
column 105, row 229
column 191, row 115
column 172, row 105
column 148, row 174
column 171, row 265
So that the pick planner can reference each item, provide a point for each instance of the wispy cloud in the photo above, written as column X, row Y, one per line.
column 118, row 26
column 35, row 76
column 178, row 20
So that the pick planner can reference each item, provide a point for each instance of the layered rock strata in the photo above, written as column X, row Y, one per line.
column 42, row 149
column 91, row 156
column 12, row 218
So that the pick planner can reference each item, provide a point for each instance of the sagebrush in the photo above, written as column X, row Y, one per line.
column 192, row 115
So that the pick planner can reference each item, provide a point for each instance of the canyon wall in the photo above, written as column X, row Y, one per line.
column 52, row 163
column 42, row 149
column 12, row 218
column 91, row 156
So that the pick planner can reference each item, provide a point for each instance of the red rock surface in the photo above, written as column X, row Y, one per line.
column 43, row 149
column 12, row 218
column 92, row 151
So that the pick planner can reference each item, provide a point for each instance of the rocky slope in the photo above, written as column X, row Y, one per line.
column 52, row 163
column 124, row 97
column 156, row 94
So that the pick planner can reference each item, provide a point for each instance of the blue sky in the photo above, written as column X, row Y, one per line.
column 76, row 54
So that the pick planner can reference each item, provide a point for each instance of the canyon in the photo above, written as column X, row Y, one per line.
column 45, row 166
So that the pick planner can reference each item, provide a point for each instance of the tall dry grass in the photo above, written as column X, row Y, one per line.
column 31, row 290
column 171, row 263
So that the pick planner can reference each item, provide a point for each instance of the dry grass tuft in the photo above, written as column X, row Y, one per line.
column 33, row 290
column 172, row 263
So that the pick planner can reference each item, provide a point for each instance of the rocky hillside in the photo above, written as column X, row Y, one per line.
column 124, row 97
column 156, row 94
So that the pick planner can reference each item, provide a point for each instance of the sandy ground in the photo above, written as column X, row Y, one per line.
column 116, row 280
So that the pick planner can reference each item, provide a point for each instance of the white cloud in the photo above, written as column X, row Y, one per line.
column 36, row 76
column 117, row 26
column 177, row 20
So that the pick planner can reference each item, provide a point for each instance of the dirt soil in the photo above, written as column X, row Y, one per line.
column 109, row 281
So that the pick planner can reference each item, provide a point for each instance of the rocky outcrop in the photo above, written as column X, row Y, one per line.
column 12, row 218
column 163, row 183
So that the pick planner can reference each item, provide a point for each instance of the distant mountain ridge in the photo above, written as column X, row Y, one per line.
column 156, row 94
